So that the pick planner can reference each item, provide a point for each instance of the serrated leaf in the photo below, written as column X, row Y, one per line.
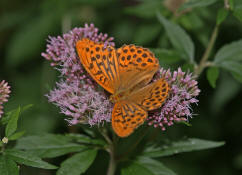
column 23, row 157
column 221, row 16
column 179, row 38
column 78, row 163
column 187, row 145
column 16, row 135
column 48, row 146
column 212, row 76
column 229, row 52
column 196, row 3
column 229, row 57
column 8, row 166
column 146, row 33
column 12, row 123
column 146, row 9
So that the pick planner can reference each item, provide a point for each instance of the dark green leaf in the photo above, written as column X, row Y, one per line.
column 222, row 14
column 16, row 135
column 179, row 38
column 146, row 33
column 134, row 168
column 146, row 9
column 145, row 166
column 78, row 163
column 229, row 52
column 28, row 159
column 49, row 145
column 212, row 76
column 229, row 57
column 80, row 138
column 1, row 143
column 197, row 3
column 26, row 107
column 154, row 166
column 187, row 145
column 238, row 13
column 12, row 123
column 8, row 166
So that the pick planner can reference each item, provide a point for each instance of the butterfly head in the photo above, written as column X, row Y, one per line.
column 116, row 97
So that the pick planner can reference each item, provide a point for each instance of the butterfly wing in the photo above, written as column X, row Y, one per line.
column 100, row 62
column 151, row 96
column 137, row 66
column 127, row 116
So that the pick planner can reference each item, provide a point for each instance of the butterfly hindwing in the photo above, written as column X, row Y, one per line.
column 100, row 62
column 151, row 96
column 126, row 117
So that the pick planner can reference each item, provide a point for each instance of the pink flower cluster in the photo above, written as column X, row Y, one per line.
column 76, row 93
column 4, row 94
column 177, row 107
column 79, row 97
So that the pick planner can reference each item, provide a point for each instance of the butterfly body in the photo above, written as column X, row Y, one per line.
column 125, row 73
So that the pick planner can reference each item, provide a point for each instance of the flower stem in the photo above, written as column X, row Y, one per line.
column 112, row 162
column 204, row 63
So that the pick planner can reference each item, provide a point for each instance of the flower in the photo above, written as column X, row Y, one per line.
column 4, row 94
column 177, row 107
column 76, row 93
column 79, row 97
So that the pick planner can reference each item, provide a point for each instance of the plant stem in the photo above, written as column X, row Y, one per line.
column 204, row 63
column 112, row 161
column 111, row 150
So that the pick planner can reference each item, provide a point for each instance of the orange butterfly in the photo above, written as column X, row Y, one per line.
column 125, row 73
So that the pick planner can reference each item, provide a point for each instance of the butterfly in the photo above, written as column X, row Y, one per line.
column 125, row 73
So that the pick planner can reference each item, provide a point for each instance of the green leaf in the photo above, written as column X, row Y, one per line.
column 187, row 145
column 179, row 38
column 166, row 56
column 145, row 166
column 238, row 13
column 196, row 3
column 80, row 138
column 48, row 146
column 26, row 107
column 146, row 33
column 28, row 159
column 212, row 76
column 1, row 143
column 156, row 167
column 78, row 163
column 146, row 9
column 231, row 4
column 221, row 16
column 229, row 52
column 13, row 123
column 229, row 57
column 8, row 166
column 134, row 168
column 16, row 135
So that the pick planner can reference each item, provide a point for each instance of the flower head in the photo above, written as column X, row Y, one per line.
column 4, row 94
column 76, row 93
column 182, row 94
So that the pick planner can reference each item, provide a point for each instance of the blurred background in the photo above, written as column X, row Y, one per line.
column 25, row 26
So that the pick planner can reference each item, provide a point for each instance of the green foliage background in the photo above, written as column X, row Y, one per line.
column 25, row 26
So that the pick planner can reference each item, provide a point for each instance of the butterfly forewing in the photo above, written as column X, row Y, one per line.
column 101, row 63
column 137, row 65
column 151, row 96
column 126, row 117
